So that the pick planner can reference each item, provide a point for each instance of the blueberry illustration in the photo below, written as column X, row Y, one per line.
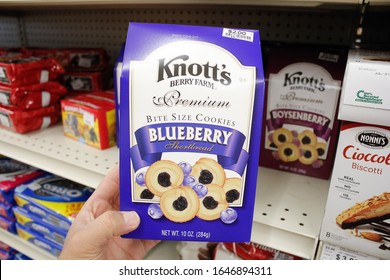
column 189, row 181
column 186, row 167
column 229, row 215
column 140, row 178
column 154, row 211
column 200, row 189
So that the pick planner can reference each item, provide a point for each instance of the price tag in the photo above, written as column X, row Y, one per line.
column 89, row 119
column 238, row 34
column 332, row 252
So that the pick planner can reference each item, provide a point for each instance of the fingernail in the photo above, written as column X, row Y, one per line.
column 131, row 218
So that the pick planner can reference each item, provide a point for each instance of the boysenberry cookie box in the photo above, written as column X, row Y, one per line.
column 191, row 108
column 302, row 94
column 357, row 212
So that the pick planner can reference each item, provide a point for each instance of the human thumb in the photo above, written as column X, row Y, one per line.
column 111, row 224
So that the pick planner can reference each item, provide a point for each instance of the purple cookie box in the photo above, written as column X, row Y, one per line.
column 142, row 40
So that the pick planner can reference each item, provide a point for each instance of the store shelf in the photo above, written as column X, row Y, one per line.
column 288, row 211
column 24, row 246
column 299, row 3
column 50, row 150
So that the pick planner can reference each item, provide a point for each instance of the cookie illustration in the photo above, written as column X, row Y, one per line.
column 309, row 154
column 208, row 171
column 143, row 193
column 282, row 136
column 180, row 204
column 373, row 209
column 213, row 203
column 307, row 137
column 321, row 149
column 232, row 189
column 162, row 176
column 288, row 152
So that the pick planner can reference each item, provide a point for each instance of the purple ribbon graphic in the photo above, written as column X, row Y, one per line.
column 153, row 140
column 319, row 123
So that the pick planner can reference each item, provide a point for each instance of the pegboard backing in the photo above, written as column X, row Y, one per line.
column 10, row 35
column 107, row 28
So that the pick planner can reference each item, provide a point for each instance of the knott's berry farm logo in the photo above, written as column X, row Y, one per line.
column 367, row 97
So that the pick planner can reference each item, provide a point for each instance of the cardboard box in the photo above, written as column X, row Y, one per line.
column 365, row 95
column 303, row 85
column 190, row 111
column 90, row 119
column 54, row 199
column 357, row 212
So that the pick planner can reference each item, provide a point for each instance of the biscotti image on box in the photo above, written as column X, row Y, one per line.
column 54, row 199
column 302, row 94
column 357, row 213
column 191, row 107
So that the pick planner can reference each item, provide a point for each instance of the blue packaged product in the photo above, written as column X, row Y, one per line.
column 7, row 224
column 117, row 88
column 12, row 174
column 31, row 221
column 191, row 115
column 38, row 240
column 6, row 255
column 20, row 256
column 6, row 211
column 55, row 199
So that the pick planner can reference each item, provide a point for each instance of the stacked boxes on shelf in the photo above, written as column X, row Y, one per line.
column 46, row 208
column 12, row 174
column 85, row 68
column 357, row 213
column 29, row 92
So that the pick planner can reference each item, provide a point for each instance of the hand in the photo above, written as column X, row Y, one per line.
column 96, row 232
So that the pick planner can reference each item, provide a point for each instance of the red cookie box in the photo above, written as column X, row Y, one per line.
column 74, row 59
column 90, row 119
column 300, row 128
column 25, row 121
column 32, row 96
column 20, row 70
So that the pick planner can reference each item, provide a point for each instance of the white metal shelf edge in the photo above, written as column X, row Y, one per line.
column 50, row 150
column 288, row 211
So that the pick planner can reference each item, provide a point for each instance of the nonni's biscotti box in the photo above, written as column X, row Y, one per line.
column 357, row 213
column 190, row 97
